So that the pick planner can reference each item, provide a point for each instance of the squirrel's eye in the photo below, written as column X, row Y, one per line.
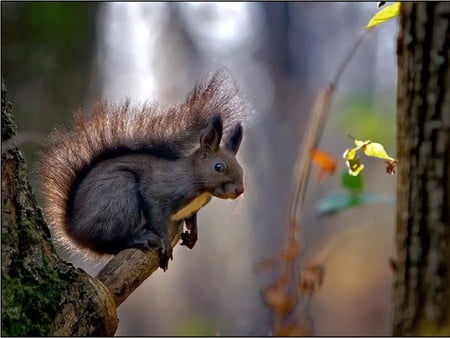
column 220, row 167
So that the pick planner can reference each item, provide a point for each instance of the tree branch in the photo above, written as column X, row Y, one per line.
column 131, row 267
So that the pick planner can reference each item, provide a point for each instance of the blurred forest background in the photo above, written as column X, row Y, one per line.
column 58, row 56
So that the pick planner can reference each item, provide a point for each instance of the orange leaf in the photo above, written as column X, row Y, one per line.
column 311, row 278
column 325, row 162
column 278, row 300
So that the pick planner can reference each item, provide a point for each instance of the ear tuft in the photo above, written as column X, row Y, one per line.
column 235, row 138
column 210, row 137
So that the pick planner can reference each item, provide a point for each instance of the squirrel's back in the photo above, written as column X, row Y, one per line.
column 108, row 131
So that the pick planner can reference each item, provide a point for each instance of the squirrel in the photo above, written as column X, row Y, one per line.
column 124, row 174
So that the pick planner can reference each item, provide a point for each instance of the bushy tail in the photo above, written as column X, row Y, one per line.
column 108, row 130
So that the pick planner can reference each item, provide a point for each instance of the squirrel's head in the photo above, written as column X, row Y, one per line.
column 216, row 166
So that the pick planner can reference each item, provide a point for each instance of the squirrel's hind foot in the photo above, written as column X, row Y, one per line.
column 146, row 240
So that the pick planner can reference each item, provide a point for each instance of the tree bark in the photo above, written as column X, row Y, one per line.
column 422, row 274
column 131, row 267
column 41, row 294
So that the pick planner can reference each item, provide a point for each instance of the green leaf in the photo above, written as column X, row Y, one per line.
column 339, row 202
column 354, row 184
column 384, row 14
column 333, row 203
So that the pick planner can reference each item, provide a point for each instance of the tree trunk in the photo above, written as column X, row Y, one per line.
column 41, row 294
column 422, row 273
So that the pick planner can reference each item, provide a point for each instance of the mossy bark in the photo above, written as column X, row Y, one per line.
column 41, row 294
column 422, row 274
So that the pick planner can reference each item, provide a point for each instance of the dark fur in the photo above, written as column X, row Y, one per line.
column 115, row 180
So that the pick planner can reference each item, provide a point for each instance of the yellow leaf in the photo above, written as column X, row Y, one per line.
column 375, row 150
column 354, row 166
column 371, row 149
column 384, row 14
column 360, row 143
column 350, row 154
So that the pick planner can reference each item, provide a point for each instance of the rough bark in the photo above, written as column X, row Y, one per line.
column 41, row 294
column 422, row 276
column 131, row 267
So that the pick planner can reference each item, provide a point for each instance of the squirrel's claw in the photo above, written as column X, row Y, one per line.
column 188, row 239
column 165, row 253
column 147, row 239
column 164, row 259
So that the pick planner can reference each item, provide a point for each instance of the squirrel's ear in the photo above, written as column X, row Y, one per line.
column 212, row 134
column 234, row 140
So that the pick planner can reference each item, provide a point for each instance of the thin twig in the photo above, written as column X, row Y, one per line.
column 313, row 133
column 314, row 130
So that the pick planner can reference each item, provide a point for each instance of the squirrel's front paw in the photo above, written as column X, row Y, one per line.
column 165, row 253
column 189, row 239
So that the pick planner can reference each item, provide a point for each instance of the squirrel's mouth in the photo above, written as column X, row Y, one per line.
column 230, row 191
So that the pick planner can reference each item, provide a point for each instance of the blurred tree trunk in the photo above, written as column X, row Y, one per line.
column 422, row 274
column 41, row 294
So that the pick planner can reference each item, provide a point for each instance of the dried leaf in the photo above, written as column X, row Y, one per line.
column 390, row 166
column 311, row 278
column 278, row 300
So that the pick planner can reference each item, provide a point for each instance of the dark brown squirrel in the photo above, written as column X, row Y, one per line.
column 124, row 175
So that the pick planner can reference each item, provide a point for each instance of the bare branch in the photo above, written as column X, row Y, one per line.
column 131, row 267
